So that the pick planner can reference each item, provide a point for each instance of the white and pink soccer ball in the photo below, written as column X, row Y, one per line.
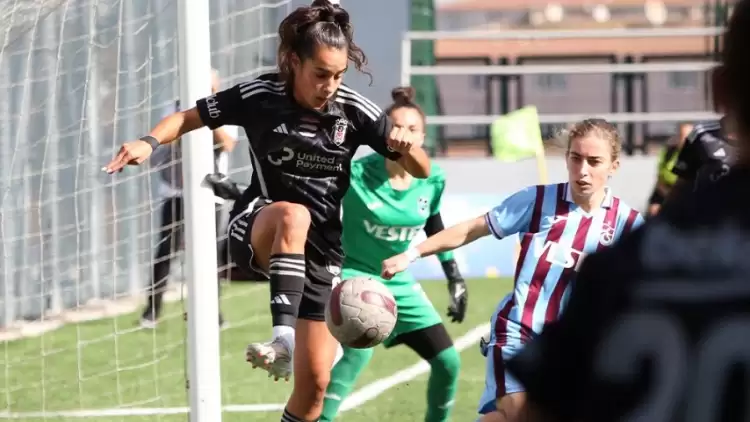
column 361, row 312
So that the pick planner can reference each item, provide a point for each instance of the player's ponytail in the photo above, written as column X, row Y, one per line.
column 306, row 28
column 404, row 97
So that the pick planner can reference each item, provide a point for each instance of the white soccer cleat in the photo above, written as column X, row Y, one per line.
column 148, row 323
column 275, row 357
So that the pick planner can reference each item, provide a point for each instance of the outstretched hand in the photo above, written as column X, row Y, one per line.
column 131, row 153
column 394, row 265
column 402, row 139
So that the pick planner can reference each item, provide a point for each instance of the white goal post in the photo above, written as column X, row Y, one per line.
column 408, row 70
column 204, row 368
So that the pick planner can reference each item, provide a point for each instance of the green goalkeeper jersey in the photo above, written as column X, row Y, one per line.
column 379, row 221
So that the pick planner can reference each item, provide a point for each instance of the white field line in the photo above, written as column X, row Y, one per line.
column 376, row 388
column 137, row 411
column 356, row 399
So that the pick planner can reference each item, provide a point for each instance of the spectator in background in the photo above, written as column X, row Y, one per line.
column 167, row 160
column 667, row 159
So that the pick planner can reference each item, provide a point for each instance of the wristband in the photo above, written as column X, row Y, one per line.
column 151, row 141
column 412, row 254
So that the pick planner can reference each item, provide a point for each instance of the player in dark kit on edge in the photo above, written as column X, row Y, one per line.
column 657, row 327
column 707, row 154
column 303, row 128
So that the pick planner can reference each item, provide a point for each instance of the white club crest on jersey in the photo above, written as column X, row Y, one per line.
column 607, row 235
column 423, row 205
column 339, row 131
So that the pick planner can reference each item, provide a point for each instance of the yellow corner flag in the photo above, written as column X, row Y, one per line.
column 517, row 135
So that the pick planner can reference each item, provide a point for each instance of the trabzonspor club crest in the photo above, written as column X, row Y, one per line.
column 607, row 236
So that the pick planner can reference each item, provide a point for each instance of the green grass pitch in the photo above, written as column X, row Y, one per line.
column 110, row 363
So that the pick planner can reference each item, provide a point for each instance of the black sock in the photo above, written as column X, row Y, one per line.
column 288, row 417
column 287, row 273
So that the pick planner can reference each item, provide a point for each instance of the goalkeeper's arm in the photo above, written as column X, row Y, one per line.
column 459, row 294
column 433, row 226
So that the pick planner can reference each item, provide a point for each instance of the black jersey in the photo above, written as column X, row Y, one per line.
column 658, row 327
column 300, row 155
column 705, row 155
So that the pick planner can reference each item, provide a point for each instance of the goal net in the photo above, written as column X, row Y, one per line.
column 78, row 247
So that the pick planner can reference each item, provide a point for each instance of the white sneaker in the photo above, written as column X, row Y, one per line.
column 148, row 324
column 275, row 357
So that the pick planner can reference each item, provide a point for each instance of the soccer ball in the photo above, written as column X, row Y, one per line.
column 361, row 312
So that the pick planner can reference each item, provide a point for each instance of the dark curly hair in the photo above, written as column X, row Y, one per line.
column 321, row 23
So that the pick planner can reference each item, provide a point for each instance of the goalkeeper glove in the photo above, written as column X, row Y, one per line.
column 224, row 187
column 459, row 295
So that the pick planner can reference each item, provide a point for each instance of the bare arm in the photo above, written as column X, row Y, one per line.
column 416, row 162
column 172, row 127
column 166, row 131
column 224, row 140
column 454, row 237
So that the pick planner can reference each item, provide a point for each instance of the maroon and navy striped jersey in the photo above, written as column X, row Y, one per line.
column 555, row 236
column 656, row 329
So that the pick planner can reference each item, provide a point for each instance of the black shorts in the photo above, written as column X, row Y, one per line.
column 323, row 270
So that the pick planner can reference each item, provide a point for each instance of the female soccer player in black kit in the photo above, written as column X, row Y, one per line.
column 303, row 128
column 657, row 326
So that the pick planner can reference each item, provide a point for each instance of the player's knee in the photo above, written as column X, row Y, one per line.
column 315, row 391
column 293, row 218
column 447, row 363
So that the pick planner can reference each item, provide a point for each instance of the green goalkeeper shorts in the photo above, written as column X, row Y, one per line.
column 415, row 311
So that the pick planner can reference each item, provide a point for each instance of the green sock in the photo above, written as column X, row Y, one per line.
column 442, row 385
column 343, row 377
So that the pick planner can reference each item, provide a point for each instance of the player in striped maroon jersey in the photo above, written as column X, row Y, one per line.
column 656, row 328
column 558, row 225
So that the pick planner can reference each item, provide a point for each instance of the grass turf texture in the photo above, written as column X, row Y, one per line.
column 111, row 363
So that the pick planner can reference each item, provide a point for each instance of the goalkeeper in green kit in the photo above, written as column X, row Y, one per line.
column 383, row 210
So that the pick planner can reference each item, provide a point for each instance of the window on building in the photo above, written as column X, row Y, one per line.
column 554, row 82
column 683, row 80
column 478, row 81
